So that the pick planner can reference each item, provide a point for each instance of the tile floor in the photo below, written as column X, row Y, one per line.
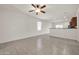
column 40, row 45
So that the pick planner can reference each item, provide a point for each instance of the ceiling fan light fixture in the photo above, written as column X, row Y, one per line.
column 37, row 10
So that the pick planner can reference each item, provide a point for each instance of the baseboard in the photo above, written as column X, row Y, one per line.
column 20, row 38
column 62, row 37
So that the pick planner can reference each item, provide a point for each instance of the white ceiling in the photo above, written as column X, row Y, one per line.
column 54, row 12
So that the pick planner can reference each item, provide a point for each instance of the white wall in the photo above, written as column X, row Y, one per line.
column 16, row 25
column 64, row 33
column 77, row 32
column 65, row 24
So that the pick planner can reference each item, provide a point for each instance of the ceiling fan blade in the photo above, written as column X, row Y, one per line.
column 43, row 11
column 33, row 5
column 31, row 10
column 38, row 6
column 43, row 6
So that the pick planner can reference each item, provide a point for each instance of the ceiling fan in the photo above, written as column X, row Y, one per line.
column 38, row 8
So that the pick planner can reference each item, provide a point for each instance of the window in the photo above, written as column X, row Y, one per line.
column 59, row 26
column 39, row 25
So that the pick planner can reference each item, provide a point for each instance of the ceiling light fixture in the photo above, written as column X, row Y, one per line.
column 38, row 9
